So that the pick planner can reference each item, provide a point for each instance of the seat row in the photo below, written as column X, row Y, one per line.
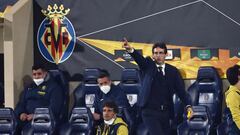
column 205, row 91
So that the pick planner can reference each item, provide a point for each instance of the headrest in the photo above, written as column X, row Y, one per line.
column 58, row 75
column 6, row 112
column 7, row 120
column 42, row 120
column 41, row 111
column 90, row 75
column 130, row 76
column 207, row 74
column 200, row 118
column 79, row 115
column 79, row 110
column 81, row 119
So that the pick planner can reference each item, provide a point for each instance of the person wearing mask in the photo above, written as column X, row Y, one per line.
column 233, row 96
column 43, row 92
column 108, row 92
column 159, row 82
column 112, row 124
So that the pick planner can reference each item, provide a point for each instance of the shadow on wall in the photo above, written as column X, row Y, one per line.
column 27, row 80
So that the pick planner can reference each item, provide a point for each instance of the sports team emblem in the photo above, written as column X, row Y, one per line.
column 56, row 36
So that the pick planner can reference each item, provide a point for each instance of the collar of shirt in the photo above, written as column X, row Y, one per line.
column 163, row 67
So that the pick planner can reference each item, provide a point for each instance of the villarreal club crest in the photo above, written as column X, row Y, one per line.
column 56, row 36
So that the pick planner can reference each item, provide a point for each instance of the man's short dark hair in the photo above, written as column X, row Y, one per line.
column 111, row 104
column 233, row 73
column 103, row 73
column 39, row 66
column 160, row 45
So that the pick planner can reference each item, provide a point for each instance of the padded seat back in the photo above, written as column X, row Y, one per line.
column 207, row 91
column 199, row 123
column 7, row 121
column 86, row 92
column 43, row 121
column 130, row 84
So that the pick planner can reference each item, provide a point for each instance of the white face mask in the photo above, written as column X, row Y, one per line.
column 109, row 122
column 105, row 88
column 38, row 81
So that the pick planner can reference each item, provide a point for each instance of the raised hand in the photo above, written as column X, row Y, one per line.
column 126, row 45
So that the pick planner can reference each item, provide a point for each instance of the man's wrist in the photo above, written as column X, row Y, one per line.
column 131, row 50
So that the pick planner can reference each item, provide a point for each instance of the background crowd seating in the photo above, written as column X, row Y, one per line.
column 205, row 92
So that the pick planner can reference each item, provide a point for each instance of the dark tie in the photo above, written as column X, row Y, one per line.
column 160, row 70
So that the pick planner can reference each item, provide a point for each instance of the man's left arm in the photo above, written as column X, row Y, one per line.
column 122, row 99
column 183, row 95
column 179, row 87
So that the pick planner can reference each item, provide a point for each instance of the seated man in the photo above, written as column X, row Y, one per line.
column 43, row 92
column 109, row 92
column 112, row 124
column 233, row 95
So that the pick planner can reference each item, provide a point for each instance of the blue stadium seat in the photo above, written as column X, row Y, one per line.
column 199, row 124
column 7, row 121
column 228, row 126
column 80, row 123
column 130, row 84
column 85, row 93
column 42, row 123
column 63, row 82
column 207, row 91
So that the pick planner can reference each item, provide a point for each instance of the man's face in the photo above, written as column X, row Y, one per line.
column 104, row 81
column 38, row 74
column 159, row 55
column 108, row 113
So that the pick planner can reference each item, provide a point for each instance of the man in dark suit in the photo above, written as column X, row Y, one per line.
column 160, row 81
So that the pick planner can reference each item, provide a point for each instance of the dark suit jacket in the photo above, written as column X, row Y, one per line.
column 116, row 94
column 148, row 70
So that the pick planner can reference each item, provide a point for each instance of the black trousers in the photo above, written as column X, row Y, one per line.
column 156, row 121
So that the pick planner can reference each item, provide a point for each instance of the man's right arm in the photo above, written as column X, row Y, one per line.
column 20, row 108
column 96, row 113
column 140, row 60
